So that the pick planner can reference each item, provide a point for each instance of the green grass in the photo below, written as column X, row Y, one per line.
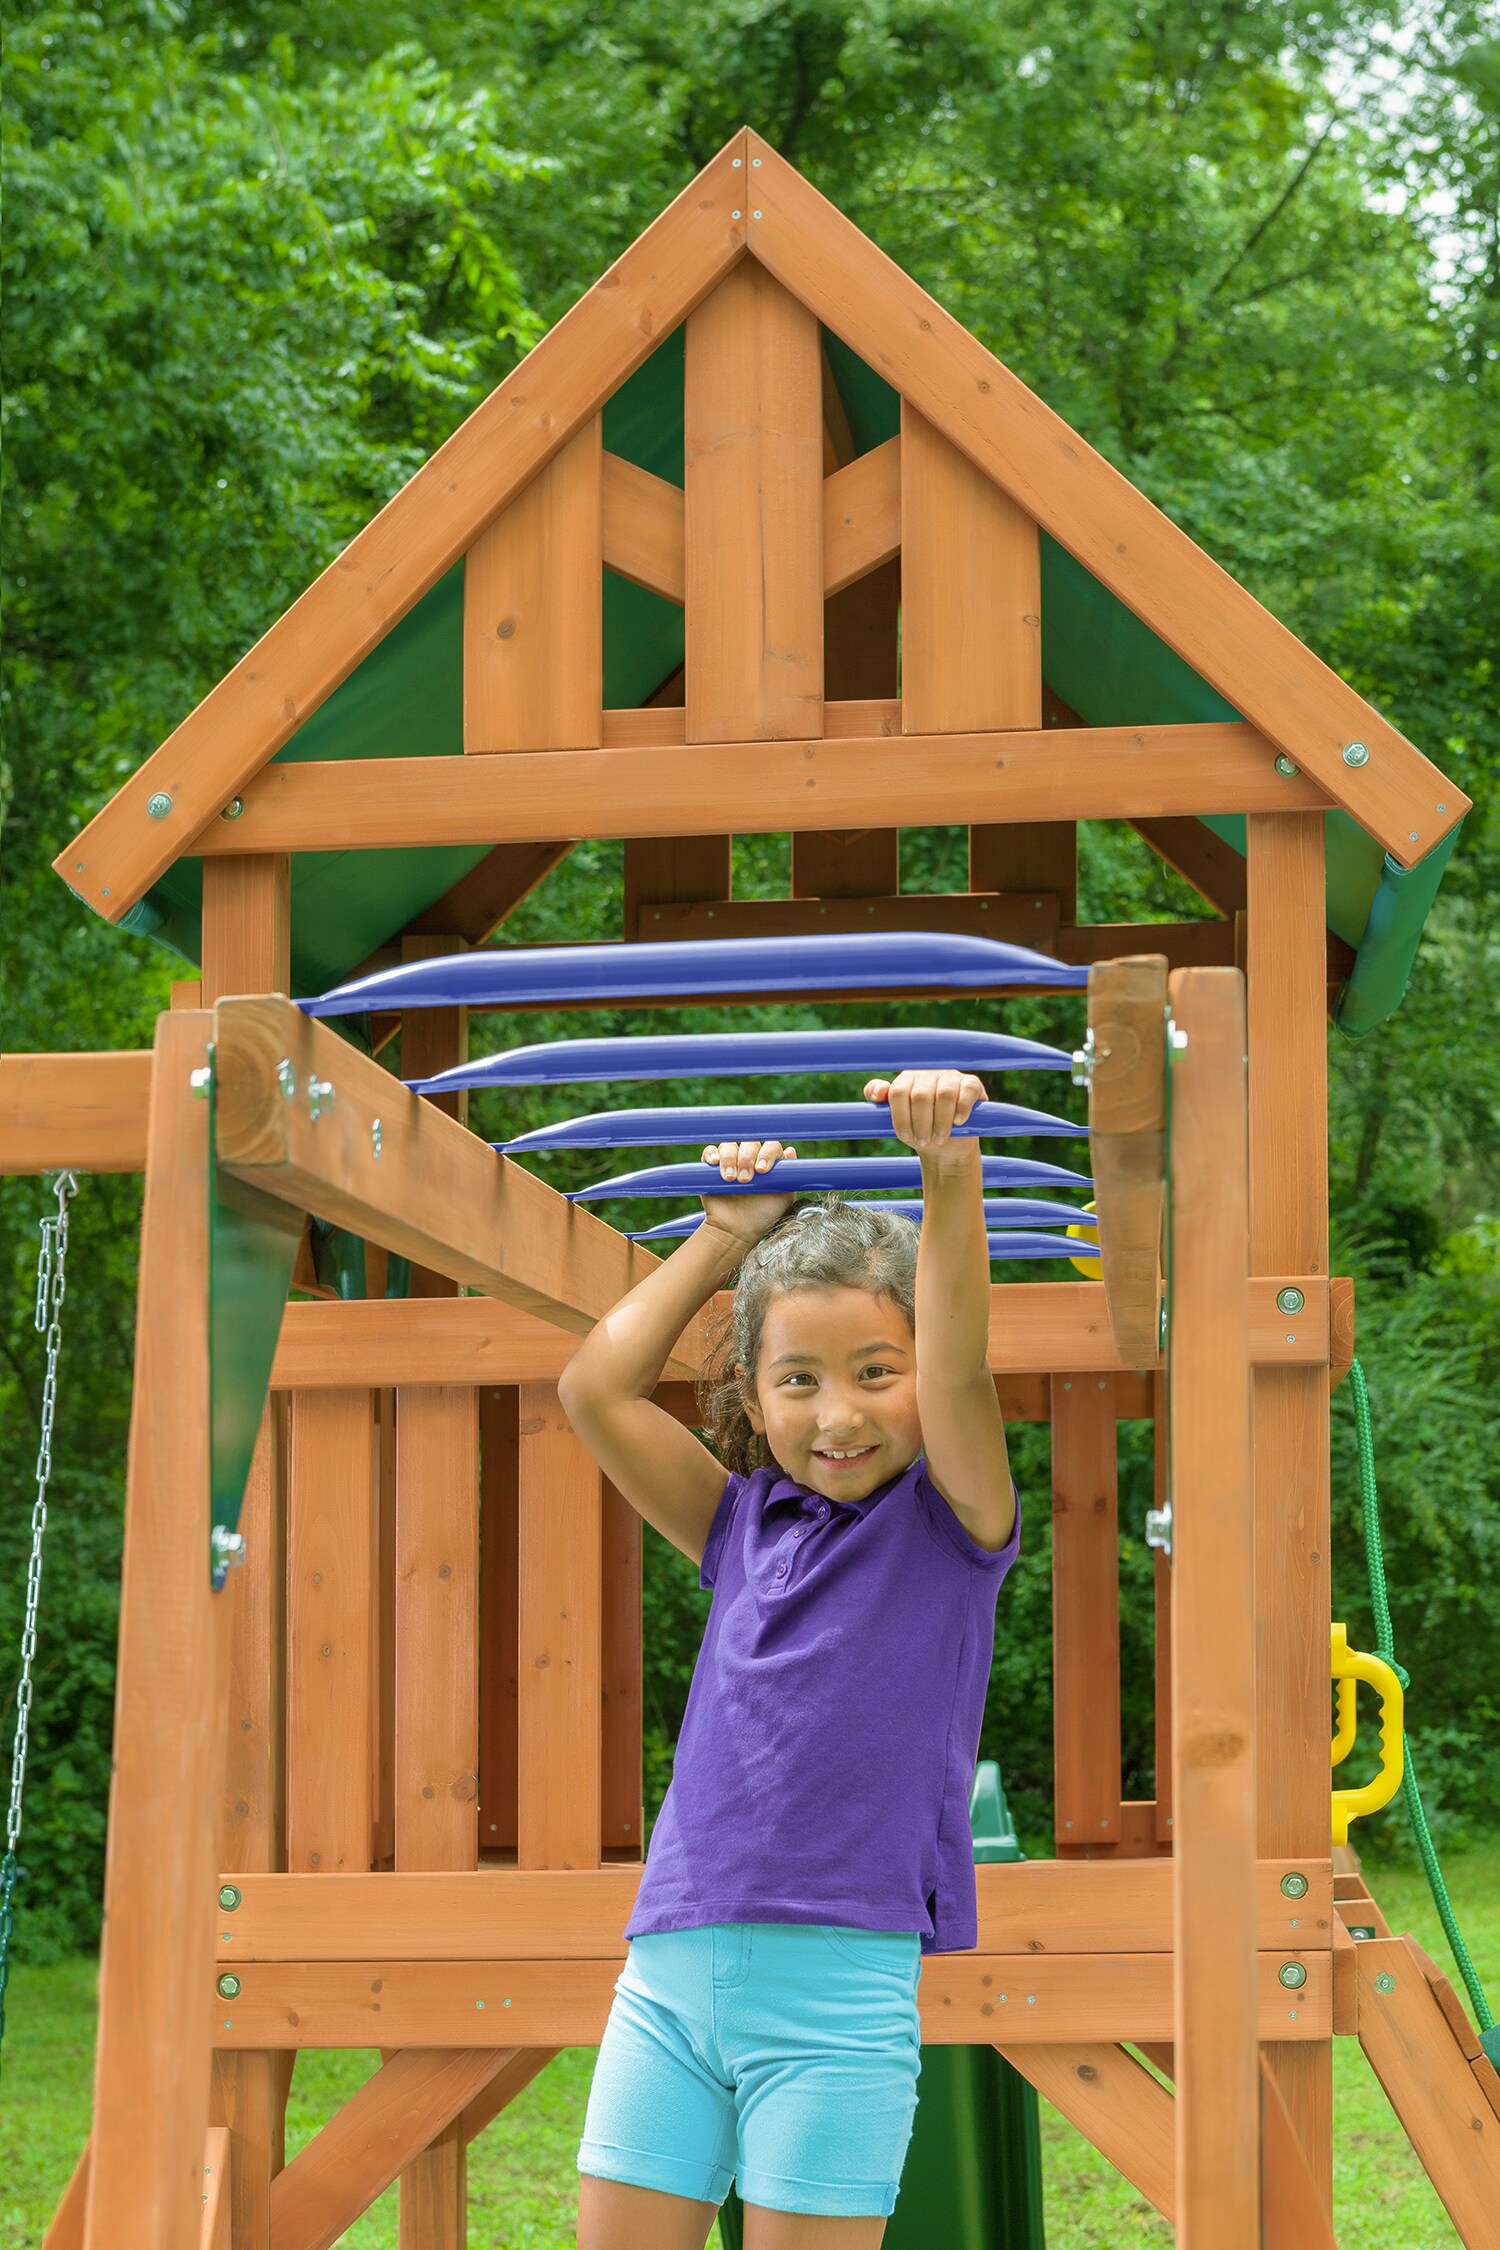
column 522, row 2182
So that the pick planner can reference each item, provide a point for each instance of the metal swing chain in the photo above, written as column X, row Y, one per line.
column 51, row 1287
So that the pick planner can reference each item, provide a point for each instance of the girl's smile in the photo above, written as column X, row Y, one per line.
column 835, row 1391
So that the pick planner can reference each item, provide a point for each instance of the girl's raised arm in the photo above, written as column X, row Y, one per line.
column 963, row 1430
column 665, row 1473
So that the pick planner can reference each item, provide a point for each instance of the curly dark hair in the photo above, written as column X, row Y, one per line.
column 826, row 1244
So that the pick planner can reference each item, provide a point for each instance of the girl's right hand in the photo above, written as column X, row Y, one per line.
column 747, row 1217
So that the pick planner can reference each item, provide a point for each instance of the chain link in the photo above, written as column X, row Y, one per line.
column 51, row 1287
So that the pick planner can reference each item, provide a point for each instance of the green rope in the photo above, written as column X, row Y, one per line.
column 1385, row 1646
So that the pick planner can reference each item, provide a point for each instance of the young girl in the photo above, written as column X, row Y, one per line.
column 854, row 1525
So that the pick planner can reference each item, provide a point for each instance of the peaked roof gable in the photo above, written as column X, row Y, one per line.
column 748, row 199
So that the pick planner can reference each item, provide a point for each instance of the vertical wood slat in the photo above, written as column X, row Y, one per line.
column 753, row 492
column 672, row 870
column 499, row 1552
column 1285, row 939
column 332, row 1694
column 558, row 1670
column 437, row 1620
column 1085, row 1614
column 434, row 1039
column 151, row 2088
column 860, row 628
column 1162, row 1605
column 247, row 925
column 534, row 614
column 383, row 1630
column 620, row 1808
column 1216, row 2014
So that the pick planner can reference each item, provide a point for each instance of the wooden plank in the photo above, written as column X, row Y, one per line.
column 1293, row 2212
column 77, row 1113
column 1285, row 922
column 1127, row 1142
column 331, row 1688
column 1201, row 857
column 364, row 2145
column 151, row 2082
column 1094, row 511
column 1447, row 1999
column 861, row 516
column 847, row 864
column 1185, row 945
column 1161, row 1654
column 1345, row 1982
column 558, row 1665
column 1014, row 920
column 853, row 717
column 511, row 2079
column 1428, row 2082
column 437, row 1595
column 1340, row 1328
column 1030, row 1910
column 533, row 612
column 1039, row 856
column 1109, row 773
column 499, row 1625
column 434, row 1040
column 481, row 900
column 1085, row 1615
column 383, row 1630
column 643, row 528
column 424, row 1186
column 672, row 869
column 966, row 1999
column 971, row 593
column 1116, row 2103
column 65, row 2231
column 861, row 638
column 217, row 2179
column 247, row 925
column 621, row 1812
column 753, row 419
column 393, row 561
column 1213, row 1623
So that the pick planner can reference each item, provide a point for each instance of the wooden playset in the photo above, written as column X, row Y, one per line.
column 757, row 540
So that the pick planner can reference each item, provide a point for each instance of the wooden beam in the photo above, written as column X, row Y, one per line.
column 1041, row 855
column 331, row 1683
column 76, row 1113
column 1110, row 773
column 558, row 1668
column 1201, row 857
column 247, row 925
column 389, row 565
column 621, row 1812
column 65, row 2230
column 643, row 528
column 151, row 2084
column 971, row 593
column 437, row 1680
column 533, row 613
column 511, row 2079
column 1217, row 2015
column 1293, row 2212
column 1094, row 511
column 424, row 1186
column 1116, row 2103
column 1427, row 2080
column 481, row 900
column 753, row 414
column 1127, row 1142
column 1085, row 1615
column 658, row 724
column 1013, row 920
column 673, row 871
column 861, row 516
column 499, row 1622
column 1182, row 945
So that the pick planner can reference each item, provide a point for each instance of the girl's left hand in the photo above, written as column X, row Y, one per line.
column 926, row 1104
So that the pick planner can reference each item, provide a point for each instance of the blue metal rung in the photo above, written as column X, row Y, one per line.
column 747, row 1054
column 800, row 1175
column 999, row 1212
column 785, row 1121
column 1020, row 1245
column 720, row 968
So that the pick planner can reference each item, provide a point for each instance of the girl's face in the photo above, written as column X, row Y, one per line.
column 835, row 1391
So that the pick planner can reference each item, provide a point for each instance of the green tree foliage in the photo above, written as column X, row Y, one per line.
column 262, row 256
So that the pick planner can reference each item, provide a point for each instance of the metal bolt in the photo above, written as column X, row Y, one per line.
column 229, row 1987
column 286, row 1078
column 734, row 164
column 319, row 1097
column 230, row 1896
column 375, row 1137
column 1355, row 754
column 200, row 1080
column 1294, row 1886
column 1291, row 1974
column 1083, row 1061
column 159, row 804
column 1159, row 1528
column 733, row 215
column 227, row 1546
column 1385, row 1982
column 1287, row 767
column 755, row 214
column 1177, row 1040
column 233, row 809
column 755, row 163
column 1290, row 1300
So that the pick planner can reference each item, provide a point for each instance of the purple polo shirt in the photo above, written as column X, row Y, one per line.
column 826, row 1756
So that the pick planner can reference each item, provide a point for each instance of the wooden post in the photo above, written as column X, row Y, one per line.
column 247, row 925
column 1285, row 931
column 151, row 2089
column 620, row 1808
column 1085, row 1614
column 432, row 1040
column 1162, row 1605
column 1216, row 2011
column 332, row 1695
column 860, row 628
column 559, row 1660
column 499, row 1552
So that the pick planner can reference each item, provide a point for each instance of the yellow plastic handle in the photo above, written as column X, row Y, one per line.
column 1091, row 1268
column 1348, row 1665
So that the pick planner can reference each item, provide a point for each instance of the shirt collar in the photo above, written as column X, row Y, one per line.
column 784, row 1488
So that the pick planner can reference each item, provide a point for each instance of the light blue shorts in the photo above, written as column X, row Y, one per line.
column 785, row 2053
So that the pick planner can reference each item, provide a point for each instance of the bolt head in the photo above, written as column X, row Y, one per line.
column 1292, row 1975
column 1356, row 754
column 233, row 809
column 200, row 1080
column 377, row 1137
column 1290, row 1300
column 1294, row 1886
column 228, row 1546
column 1385, row 1982
column 286, row 1078
column 230, row 1896
column 229, row 1987
column 159, row 804
column 1287, row 767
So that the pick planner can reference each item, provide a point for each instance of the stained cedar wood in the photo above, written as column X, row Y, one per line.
column 1285, row 924
column 1127, row 1142
column 1161, row 1659
column 861, row 516
column 753, row 492
column 1085, row 1615
column 84, row 1112
column 151, row 2086
column 1062, row 1997
column 620, row 1808
column 838, row 862
column 1116, row 2103
column 481, row 900
column 1427, row 2080
column 1107, row 773
column 1096, row 513
column 1216, row 2006
column 247, row 925
column 558, row 1669
column 1292, row 2208
column 670, row 870
column 533, row 620
column 434, row 1040
column 214, row 2231
column 393, row 561
column 65, row 2229
column 499, row 1549
column 1215, row 869
column 643, row 528
column 331, row 1689
column 859, row 669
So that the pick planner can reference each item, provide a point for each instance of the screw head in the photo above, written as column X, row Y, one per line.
column 319, row 1097
column 286, row 1078
column 1294, row 1886
column 230, row 1896
column 200, row 1080
column 1291, row 1974
column 159, row 804
column 229, row 1987
column 377, row 1138
column 1356, row 754
column 1287, row 767
column 1290, row 1301
column 228, row 1546
column 1385, row 1982
column 233, row 809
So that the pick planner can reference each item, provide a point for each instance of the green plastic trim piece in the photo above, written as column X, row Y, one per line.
column 990, row 1818
column 1392, row 934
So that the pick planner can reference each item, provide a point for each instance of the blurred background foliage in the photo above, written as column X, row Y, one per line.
column 262, row 256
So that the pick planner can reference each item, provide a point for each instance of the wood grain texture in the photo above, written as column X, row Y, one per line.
column 861, row 628
column 1213, row 1624
column 1010, row 919
column 533, row 612
column 558, row 1667
column 1116, row 2103
column 437, row 1618
column 82, row 1113
column 672, row 869
column 1293, row 2212
column 1161, row 1654
column 971, row 593
column 389, row 565
column 643, row 528
column 151, row 2081
column 1201, row 857
column 65, row 2230
column 1127, row 1142
column 499, row 1622
column 1428, row 2082
column 331, row 1684
column 481, row 900
column 1039, row 855
column 753, row 407
column 861, row 516
column 247, row 925
column 621, row 1822
column 1085, row 1615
